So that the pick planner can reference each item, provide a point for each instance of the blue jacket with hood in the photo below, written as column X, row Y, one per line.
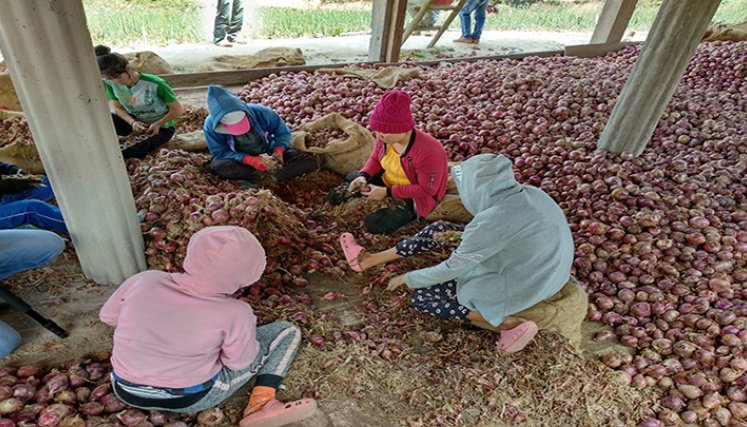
column 516, row 252
column 265, row 122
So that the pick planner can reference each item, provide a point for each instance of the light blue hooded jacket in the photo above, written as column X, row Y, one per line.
column 271, row 128
column 517, row 250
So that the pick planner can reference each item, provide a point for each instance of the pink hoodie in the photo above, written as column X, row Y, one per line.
column 179, row 330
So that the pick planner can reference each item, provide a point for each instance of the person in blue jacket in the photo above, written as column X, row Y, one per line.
column 243, row 139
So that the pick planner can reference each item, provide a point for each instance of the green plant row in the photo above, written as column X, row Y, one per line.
column 120, row 22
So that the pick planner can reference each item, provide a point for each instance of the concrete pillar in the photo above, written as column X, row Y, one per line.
column 613, row 21
column 48, row 51
column 670, row 45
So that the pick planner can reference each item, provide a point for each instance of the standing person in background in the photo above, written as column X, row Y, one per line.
column 142, row 103
column 245, row 139
column 229, row 18
column 469, row 34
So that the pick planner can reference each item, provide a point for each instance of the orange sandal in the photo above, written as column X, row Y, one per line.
column 513, row 340
column 276, row 413
column 352, row 250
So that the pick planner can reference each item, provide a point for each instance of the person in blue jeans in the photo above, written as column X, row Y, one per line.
column 23, row 202
column 22, row 250
column 469, row 34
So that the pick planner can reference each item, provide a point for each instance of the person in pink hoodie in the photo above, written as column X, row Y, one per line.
column 183, row 344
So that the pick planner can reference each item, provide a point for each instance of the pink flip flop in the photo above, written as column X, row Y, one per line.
column 351, row 249
column 276, row 413
column 513, row 340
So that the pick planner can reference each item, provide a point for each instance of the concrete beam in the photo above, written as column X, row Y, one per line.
column 48, row 51
column 613, row 21
column 670, row 45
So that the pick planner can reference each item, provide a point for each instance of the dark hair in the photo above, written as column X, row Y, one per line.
column 110, row 64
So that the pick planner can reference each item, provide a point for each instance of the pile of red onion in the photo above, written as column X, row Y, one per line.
column 79, row 394
column 661, row 239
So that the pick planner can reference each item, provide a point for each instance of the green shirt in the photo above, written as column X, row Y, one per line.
column 146, row 101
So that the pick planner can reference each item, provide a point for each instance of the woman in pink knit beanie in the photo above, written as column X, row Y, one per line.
column 406, row 164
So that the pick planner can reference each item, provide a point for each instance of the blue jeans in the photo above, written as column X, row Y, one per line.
column 22, row 250
column 479, row 7
column 31, row 212
column 9, row 339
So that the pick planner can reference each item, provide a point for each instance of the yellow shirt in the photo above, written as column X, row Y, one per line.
column 393, row 172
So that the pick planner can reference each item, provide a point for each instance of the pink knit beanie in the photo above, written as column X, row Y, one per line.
column 392, row 114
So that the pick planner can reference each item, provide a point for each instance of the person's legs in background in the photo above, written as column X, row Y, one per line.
column 222, row 20
column 31, row 212
column 236, row 22
column 465, row 18
column 480, row 15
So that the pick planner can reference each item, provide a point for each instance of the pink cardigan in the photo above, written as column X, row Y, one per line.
column 426, row 167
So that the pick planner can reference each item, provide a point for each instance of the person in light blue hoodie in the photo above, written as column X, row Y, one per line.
column 515, row 253
column 241, row 137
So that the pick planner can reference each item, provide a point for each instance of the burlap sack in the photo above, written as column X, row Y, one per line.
column 149, row 62
column 385, row 78
column 265, row 58
column 8, row 96
column 340, row 156
column 190, row 141
column 562, row 313
column 733, row 32
column 451, row 207
column 23, row 155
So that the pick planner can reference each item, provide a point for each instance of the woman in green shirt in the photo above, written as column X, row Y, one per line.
column 142, row 103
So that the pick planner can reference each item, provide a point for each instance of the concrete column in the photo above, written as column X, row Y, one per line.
column 670, row 45
column 613, row 21
column 48, row 51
